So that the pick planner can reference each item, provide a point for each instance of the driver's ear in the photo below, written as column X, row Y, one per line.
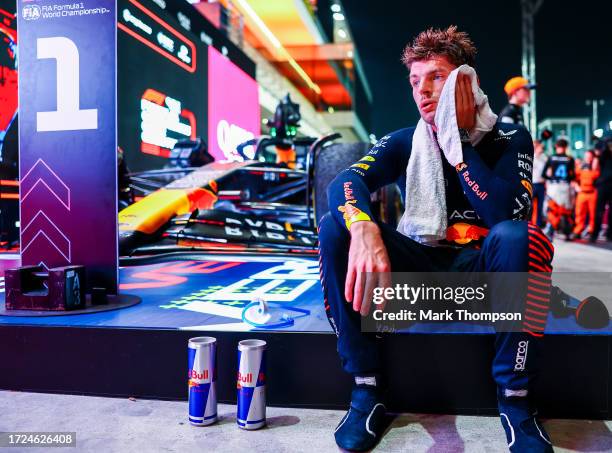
column 477, row 80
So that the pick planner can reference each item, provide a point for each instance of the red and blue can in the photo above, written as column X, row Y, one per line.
column 251, row 384
column 202, row 381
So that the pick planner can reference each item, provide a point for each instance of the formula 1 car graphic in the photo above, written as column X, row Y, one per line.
column 268, row 202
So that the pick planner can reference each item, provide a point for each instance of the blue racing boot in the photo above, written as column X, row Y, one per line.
column 364, row 423
column 523, row 432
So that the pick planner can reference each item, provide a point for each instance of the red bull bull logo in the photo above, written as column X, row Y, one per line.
column 527, row 185
column 464, row 233
column 351, row 214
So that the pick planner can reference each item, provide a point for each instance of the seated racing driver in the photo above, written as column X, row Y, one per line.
column 465, row 211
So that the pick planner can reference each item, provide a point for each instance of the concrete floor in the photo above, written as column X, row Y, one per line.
column 582, row 269
column 108, row 425
column 582, row 256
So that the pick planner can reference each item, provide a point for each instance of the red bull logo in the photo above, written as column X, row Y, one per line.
column 464, row 233
column 348, row 192
column 244, row 378
column 527, row 185
column 193, row 374
column 474, row 185
column 351, row 214
column 248, row 379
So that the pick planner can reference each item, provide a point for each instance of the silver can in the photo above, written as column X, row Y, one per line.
column 251, row 384
column 202, row 380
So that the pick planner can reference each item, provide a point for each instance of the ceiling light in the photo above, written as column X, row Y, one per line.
column 336, row 8
column 338, row 16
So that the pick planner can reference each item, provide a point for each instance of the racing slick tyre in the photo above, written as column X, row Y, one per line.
column 330, row 161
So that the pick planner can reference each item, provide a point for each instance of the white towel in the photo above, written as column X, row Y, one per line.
column 425, row 218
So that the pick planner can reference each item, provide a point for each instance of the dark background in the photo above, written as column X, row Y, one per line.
column 573, row 52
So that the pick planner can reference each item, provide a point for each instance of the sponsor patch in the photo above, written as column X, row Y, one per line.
column 362, row 166
column 464, row 233
column 505, row 135
column 521, row 356
column 352, row 214
column 519, row 393
column 474, row 186
column 527, row 185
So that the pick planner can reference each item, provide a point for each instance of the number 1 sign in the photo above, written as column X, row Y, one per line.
column 67, row 136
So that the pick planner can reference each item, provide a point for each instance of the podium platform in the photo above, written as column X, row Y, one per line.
column 141, row 351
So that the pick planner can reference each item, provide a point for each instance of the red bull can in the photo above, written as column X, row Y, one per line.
column 202, row 380
column 251, row 384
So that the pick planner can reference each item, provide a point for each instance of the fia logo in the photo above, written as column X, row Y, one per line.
column 31, row 12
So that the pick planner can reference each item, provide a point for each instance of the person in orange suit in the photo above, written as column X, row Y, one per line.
column 586, row 174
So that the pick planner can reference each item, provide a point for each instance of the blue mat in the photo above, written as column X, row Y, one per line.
column 212, row 294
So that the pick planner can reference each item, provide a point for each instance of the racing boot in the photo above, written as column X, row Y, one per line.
column 523, row 431
column 363, row 425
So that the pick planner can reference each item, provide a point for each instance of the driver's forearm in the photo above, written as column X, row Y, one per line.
column 349, row 199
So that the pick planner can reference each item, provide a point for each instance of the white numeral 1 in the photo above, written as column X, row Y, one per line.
column 68, row 116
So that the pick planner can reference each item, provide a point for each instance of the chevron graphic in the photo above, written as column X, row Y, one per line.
column 1, row 284
column 42, row 225
column 42, row 240
column 41, row 174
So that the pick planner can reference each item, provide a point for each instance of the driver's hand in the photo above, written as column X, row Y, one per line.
column 368, row 266
column 464, row 103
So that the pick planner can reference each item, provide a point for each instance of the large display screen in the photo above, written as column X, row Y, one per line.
column 179, row 77
column 233, row 107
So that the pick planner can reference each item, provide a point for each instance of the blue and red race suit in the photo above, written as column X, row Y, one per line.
column 487, row 198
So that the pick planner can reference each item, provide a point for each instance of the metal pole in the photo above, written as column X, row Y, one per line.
column 525, row 52
column 529, row 8
column 534, row 114
column 533, row 127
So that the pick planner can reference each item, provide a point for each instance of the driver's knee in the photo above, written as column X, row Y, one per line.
column 510, row 232
column 506, row 247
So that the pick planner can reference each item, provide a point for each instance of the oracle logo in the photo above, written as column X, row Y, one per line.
column 229, row 136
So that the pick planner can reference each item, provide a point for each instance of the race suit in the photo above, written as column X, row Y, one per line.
column 487, row 202
column 560, row 171
column 512, row 114
column 586, row 200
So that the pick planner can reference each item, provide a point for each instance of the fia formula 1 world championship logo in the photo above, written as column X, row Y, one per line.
column 30, row 12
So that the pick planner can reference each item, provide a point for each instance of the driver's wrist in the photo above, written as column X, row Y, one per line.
column 362, row 227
